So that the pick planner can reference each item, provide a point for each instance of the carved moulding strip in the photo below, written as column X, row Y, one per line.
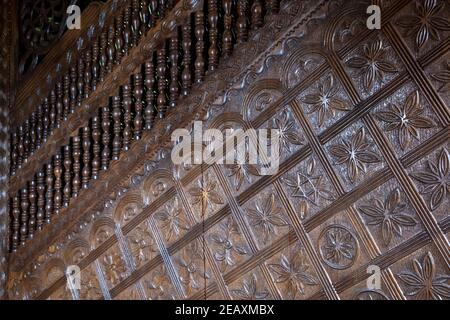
column 129, row 65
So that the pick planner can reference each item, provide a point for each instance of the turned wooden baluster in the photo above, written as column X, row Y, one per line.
column 15, row 223
column 161, row 101
column 59, row 104
column 186, row 74
column 14, row 155
column 135, row 23
column 127, row 41
column 76, row 153
column 52, row 116
column 39, row 126
column 103, row 59
column 80, row 82
column 58, row 182
column 24, row 205
column 153, row 10
column 49, row 194
column 213, row 52
column 117, row 140
column 73, row 89
column 67, row 191
column 86, row 172
column 257, row 14
column 32, row 198
column 111, row 49
column 66, row 98
column 33, row 138
column 199, row 46
column 127, row 134
column 149, row 94
column 144, row 15
column 227, row 40
column 40, row 179
column 119, row 39
column 162, row 7
column 95, row 64
column 20, row 152
column 273, row 5
column 138, row 105
column 96, row 162
column 45, row 120
column 87, row 73
column 173, row 88
column 106, row 123
column 242, row 25
column 26, row 139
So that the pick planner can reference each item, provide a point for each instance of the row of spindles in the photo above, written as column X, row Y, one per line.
column 194, row 50
column 82, row 78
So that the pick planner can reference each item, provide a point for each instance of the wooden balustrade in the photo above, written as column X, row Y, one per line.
column 194, row 48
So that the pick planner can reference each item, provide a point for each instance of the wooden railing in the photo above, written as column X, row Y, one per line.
column 131, row 75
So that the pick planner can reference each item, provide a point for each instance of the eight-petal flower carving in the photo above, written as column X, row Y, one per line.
column 437, row 181
column 294, row 272
column 426, row 285
column 338, row 247
column 172, row 220
column 389, row 215
column 205, row 193
column 286, row 132
column 406, row 119
column 250, row 290
column 372, row 64
column 355, row 153
column 266, row 217
column 324, row 101
column 309, row 187
column 426, row 23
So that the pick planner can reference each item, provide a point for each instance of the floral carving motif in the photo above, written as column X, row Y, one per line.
column 90, row 288
column 437, row 181
column 424, row 282
column 389, row 215
column 250, row 290
column 266, row 217
column 355, row 153
column 142, row 244
column 192, row 274
column 444, row 78
column 227, row 248
column 114, row 267
column 294, row 272
column 406, row 119
column 172, row 220
column 324, row 102
column 372, row 64
column 425, row 23
column 241, row 172
column 286, row 132
column 338, row 247
column 205, row 193
column 158, row 285
column 309, row 187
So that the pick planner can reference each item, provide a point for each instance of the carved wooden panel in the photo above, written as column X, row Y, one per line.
column 363, row 177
